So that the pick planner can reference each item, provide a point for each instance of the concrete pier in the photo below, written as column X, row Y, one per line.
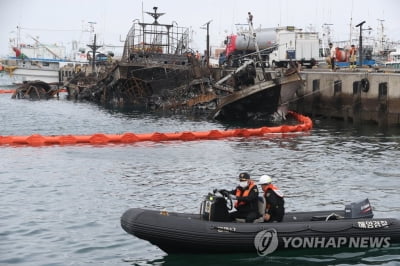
column 364, row 95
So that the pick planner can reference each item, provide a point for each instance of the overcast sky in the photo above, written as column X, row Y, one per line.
column 61, row 21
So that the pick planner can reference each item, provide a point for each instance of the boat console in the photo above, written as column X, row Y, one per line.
column 216, row 207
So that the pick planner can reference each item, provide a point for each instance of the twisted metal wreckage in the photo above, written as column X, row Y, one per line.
column 159, row 72
column 35, row 90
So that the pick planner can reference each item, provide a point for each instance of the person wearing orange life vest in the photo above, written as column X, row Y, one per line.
column 332, row 56
column 275, row 203
column 246, row 195
column 352, row 57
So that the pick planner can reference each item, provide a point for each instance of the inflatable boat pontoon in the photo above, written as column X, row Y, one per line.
column 210, row 232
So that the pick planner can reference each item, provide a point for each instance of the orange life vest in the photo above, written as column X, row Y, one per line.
column 277, row 192
column 243, row 193
column 275, row 189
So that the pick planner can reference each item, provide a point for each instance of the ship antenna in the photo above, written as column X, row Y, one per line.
column 351, row 23
column 155, row 15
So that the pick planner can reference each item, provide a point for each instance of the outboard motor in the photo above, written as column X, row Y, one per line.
column 361, row 209
column 214, row 208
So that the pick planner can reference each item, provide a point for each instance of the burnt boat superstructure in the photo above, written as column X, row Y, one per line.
column 156, row 53
column 159, row 72
column 156, row 62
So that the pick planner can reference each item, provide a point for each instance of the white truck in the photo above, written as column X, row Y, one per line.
column 296, row 46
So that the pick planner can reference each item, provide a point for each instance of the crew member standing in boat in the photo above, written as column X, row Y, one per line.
column 250, row 18
column 332, row 56
column 352, row 57
column 275, row 204
column 246, row 195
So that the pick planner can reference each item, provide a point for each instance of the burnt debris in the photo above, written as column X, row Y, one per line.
column 158, row 71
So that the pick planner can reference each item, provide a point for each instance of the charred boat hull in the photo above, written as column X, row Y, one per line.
column 263, row 98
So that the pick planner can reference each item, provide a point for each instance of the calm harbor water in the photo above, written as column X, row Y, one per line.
column 61, row 205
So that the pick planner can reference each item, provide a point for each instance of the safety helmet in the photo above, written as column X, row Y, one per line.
column 265, row 179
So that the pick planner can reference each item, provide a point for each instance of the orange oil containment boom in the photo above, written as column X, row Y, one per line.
column 305, row 124
column 12, row 91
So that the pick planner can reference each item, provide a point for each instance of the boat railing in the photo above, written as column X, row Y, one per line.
column 144, row 38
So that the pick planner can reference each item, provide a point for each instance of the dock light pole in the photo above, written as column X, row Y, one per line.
column 208, row 42
column 360, row 44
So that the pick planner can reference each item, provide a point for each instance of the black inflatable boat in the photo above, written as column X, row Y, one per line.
column 210, row 232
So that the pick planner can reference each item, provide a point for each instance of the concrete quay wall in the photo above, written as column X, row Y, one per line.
column 360, row 96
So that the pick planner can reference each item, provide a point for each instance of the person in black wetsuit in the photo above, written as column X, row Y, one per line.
column 275, row 203
column 246, row 195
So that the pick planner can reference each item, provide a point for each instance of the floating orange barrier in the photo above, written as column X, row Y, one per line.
column 7, row 91
column 102, row 139
column 12, row 91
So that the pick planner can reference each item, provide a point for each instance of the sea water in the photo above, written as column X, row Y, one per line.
column 61, row 205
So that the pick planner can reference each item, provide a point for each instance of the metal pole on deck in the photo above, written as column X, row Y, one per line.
column 254, row 36
column 208, row 42
column 94, row 49
column 360, row 44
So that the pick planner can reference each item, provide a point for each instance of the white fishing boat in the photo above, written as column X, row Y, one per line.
column 38, row 61
column 6, row 81
column 393, row 59
column 31, row 60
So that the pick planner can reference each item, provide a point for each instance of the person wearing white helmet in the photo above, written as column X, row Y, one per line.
column 275, row 207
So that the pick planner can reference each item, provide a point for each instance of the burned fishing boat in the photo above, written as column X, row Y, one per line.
column 36, row 90
column 155, row 59
column 265, row 94
column 159, row 72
